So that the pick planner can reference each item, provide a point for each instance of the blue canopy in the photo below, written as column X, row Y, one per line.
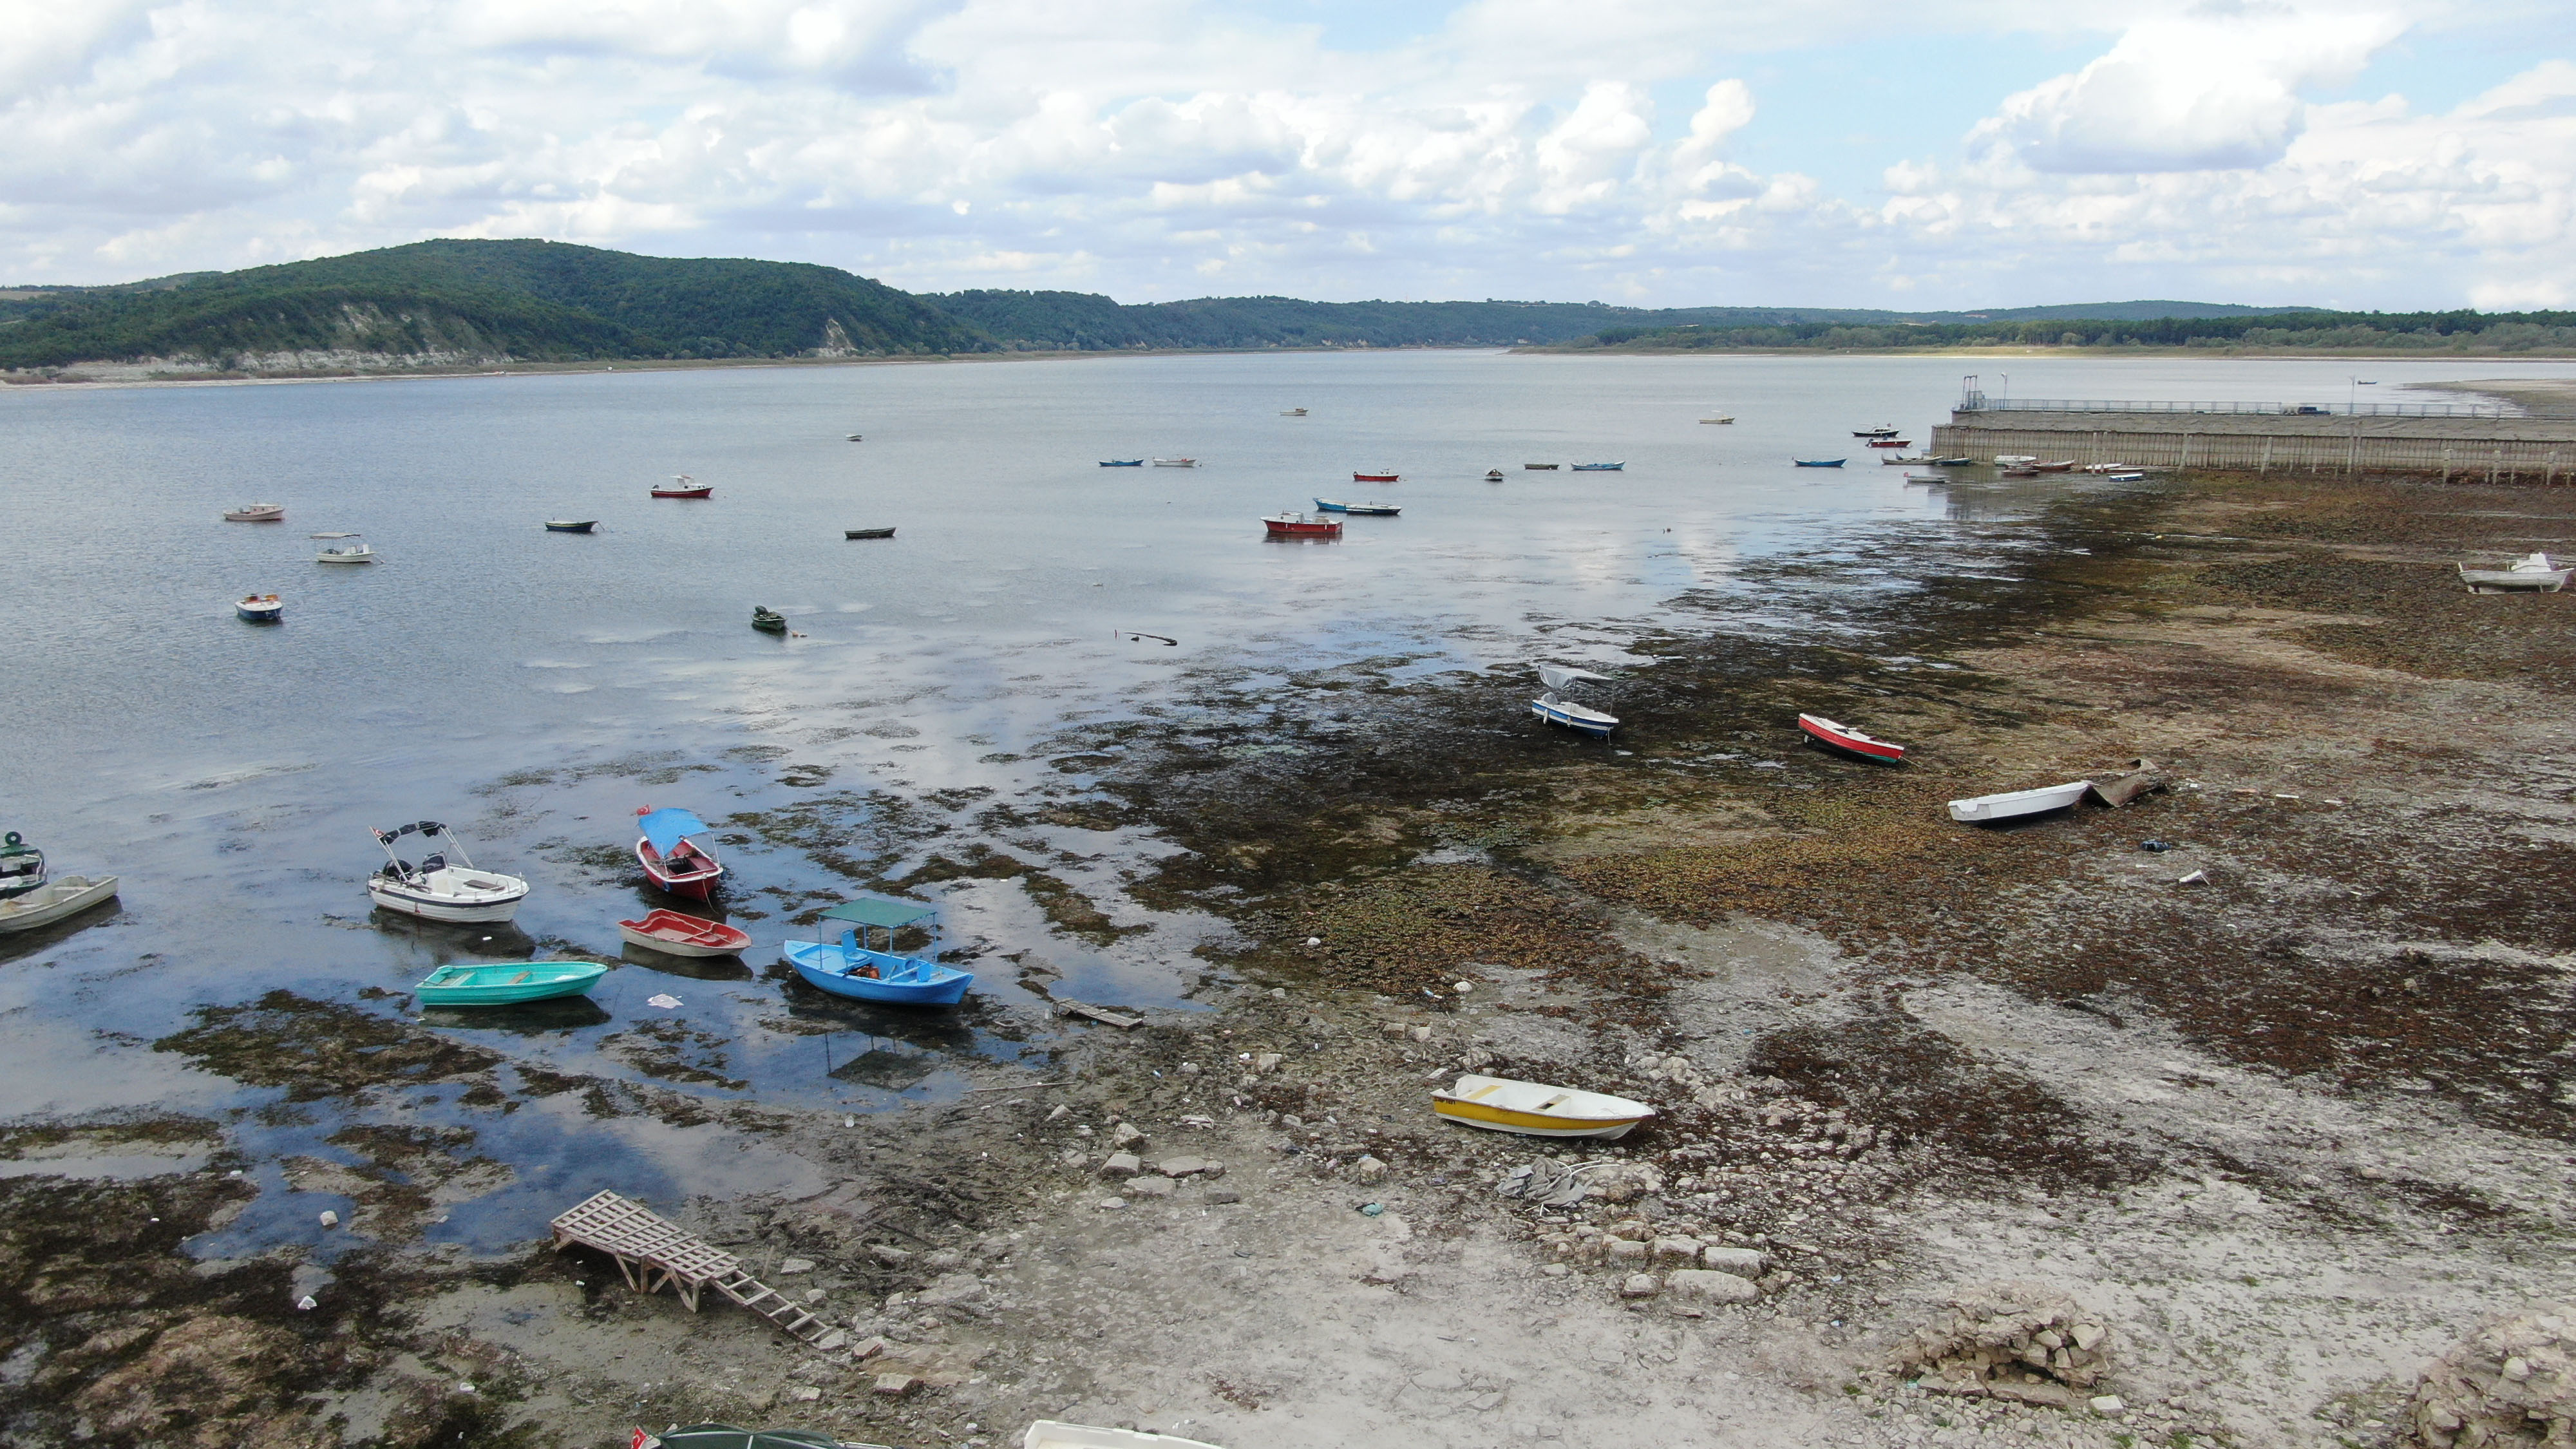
column 666, row 827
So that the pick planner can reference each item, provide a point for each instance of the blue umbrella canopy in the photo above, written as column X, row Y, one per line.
column 666, row 828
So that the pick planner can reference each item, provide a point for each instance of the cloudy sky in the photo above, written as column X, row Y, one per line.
column 1932, row 153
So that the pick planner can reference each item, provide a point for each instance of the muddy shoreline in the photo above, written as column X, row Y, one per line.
column 2286, row 1132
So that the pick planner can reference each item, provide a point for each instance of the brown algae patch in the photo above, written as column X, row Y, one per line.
column 317, row 1049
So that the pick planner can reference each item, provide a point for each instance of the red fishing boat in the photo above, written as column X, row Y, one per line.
column 685, row 486
column 674, row 934
column 1298, row 525
column 1844, row 737
column 1382, row 475
column 2063, row 465
column 670, row 858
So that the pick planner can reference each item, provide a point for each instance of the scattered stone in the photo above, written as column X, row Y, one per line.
column 1060, row 1111
column 2506, row 1381
column 894, row 1384
column 944, row 1259
column 1189, row 1069
column 1221, row 1195
column 950, row 1288
column 889, row 1254
column 1420, row 1033
column 1703, row 1285
column 807, row 1394
column 1554, row 1270
column 1463, row 987
column 1622, row 1181
column 813, row 1295
column 1124, row 1133
column 1639, row 1285
column 1150, row 1187
column 1182, row 1166
column 1742, row 1262
column 831, row 1340
column 2108, row 1404
column 1675, row 1250
column 1626, row 1250
column 1266, row 1062
column 1369, row 1169
column 307, row 1303
column 796, row 1265
column 1122, row 1164
column 2026, row 1342
column 868, row 1348
column 1113, row 1203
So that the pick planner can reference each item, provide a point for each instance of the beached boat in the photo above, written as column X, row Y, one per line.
column 1535, row 1109
column 1902, row 460
column 671, row 860
column 1540, row 467
column 1844, row 737
column 2107, row 468
column 1382, row 475
column 353, row 550
column 22, row 866
column 1375, row 510
column 1599, row 467
column 2062, row 465
column 1818, row 462
column 438, row 889
column 1878, row 432
column 854, row 967
column 867, row 533
column 1176, row 462
column 257, row 513
column 1555, row 709
column 2126, row 478
column 507, row 983
column 58, row 900
column 1054, row 1434
column 1889, row 443
column 2009, row 460
column 1717, row 420
column 1298, row 525
column 768, row 620
column 2533, row 571
column 571, row 525
column 1493, row 475
column 684, row 486
column 1925, row 478
column 2014, row 803
column 1961, row 462
column 260, row 608
column 2018, row 470
column 675, row 934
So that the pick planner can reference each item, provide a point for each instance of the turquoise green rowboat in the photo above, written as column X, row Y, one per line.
column 507, row 983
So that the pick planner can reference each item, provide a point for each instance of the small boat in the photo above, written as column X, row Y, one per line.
column 2063, row 465
column 1925, row 478
column 2107, row 468
column 1818, row 462
column 1176, row 462
column 1894, row 460
column 1122, row 462
column 257, row 513
column 1382, row 475
column 1844, row 737
column 768, row 620
column 2017, row 471
column 1377, row 510
column 436, row 890
column 853, row 967
column 571, row 525
column 684, row 486
column 1298, row 525
column 1599, row 467
column 857, row 437
column 867, row 533
column 2013, row 803
column 1294, row 413
column 2009, row 460
column 260, row 608
column 22, row 867
column 58, row 901
column 2532, row 571
column 1890, row 443
column 1493, row 475
column 1053, row 1434
column 1951, row 462
column 1540, row 467
column 1535, row 1109
column 355, row 551
column 1717, row 420
column 507, row 983
column 1880, row 432
column 674, row 934
column 671, row 860
column 2126, row 477
column 1550, row 706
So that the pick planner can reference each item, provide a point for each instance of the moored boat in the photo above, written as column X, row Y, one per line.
column 438, row 889
column 2533, row 571
column 1540, row 467
column 768, row 620
column 1294, row 413
column 1599, row 467
column 855, row 968
column 684, row 486
column 675, row 934
column 353, row 550
column 671, row 860
column 1298, row 525
column 1717, row 420
column 2014, row 803
column 1056, row 1434
column 1894, row 460
column 1818, row 462
column 1877, row 432
column 1535, row 1109
column 22, row 866
column 1890, row 443
column 1176, row 462
column 1122, row 462
column 571, row 525
column 1493, row 475
column 2009, row 460
column 260, row 608
column 1960, row 462
column 1552, row 707
column 857, row 437
column 57, row 900
column 1844, row 737
column 2062, row 465
column 1382, row 475
column 507, row 983
column 1925, row 478
column 1380, row 510
column 867, row 533
column 2126, row 477
column 257, row 513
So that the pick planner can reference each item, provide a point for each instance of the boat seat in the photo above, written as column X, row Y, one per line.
column 1551, row 1103
column 435, row 862
column 1483, row 1092
column 522, row 976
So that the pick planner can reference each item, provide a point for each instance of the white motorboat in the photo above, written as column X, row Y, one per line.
column 260, row 608
column 1176, row 462
column 353, row 551
column 2531, row 571
column 60, row 900
column 438, row 889
column 1555, row 709
column 1717, row 420
column 256, row 513
column 1294, row 413
column 22, row 866
column 2012, row 803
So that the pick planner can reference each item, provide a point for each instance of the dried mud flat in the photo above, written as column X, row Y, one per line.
column 2280, row 1136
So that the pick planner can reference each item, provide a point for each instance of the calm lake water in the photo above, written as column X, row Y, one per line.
column 536, row 688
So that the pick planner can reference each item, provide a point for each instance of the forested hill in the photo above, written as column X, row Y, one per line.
column 2473, row 333
column 478, row 301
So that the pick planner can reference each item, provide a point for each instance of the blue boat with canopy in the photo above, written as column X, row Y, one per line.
column 853, row 967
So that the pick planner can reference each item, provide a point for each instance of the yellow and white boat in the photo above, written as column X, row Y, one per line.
column 1499, row 1104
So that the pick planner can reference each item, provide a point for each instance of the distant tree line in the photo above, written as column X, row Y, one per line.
column 2496, row 332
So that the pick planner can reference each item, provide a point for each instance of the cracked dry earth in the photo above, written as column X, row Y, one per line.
column 2279, row 1136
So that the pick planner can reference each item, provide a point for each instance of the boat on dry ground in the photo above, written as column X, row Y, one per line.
column 1553, row 707
column 1844, row 737
column 1536, row 1109
column 2012, row 804
column 2532, row 571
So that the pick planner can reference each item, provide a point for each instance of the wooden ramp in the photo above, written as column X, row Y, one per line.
column 651, row 1251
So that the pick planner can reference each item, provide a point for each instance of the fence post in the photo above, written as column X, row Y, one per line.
column 2446, row 462
column 2266, row 465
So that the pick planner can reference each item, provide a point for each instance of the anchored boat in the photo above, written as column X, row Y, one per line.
column 852, row 967
column 355, row 551
column 436, row 889
column 1378, row 510
column 1055, row 1434
column 1844, row 737
column 22, row 866
column 684, row 486
column 571, row 525
column 1535, row 1109
column 1555, row 709
column 671, row 860
column 867, row 533
column 674, row 934
column 1600, row 467
column 1382, row 475
column 768, row 620
column 57, row 901
column 1176, row 462
column 257, row 513
column 1818, row 462
column 507, row 983
column 1298, row 525
column 1122, row 462
column 1493, row 475
column 2012, row 804
column 260, row 608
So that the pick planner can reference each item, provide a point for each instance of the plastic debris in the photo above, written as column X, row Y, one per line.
column 2198, row 877
column 330, row 1219
column 664, row 1000
column 306, row 1303
column 1371, row 1209
column 2158, row 845
column 1463, row 987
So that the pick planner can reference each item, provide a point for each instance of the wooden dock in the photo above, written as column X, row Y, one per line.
column 652, row 1251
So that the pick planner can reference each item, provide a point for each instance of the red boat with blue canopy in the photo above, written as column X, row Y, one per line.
column 671, row 860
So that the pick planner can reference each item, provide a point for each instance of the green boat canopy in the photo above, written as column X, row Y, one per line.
column 877, row 911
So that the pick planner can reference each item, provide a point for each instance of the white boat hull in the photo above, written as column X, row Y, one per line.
column 1051, row 1434
column 1536, row 1109
column 463, row 896
column 61, row 900
column 2015, row 803
column 1573, row 716
column 337, row 556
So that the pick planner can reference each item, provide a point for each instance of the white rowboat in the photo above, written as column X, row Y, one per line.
column 66, row 897
column 2013, row 803
column 1535, row 1109
column 2531, row 571
column 1049, row 1434
column 257, row 513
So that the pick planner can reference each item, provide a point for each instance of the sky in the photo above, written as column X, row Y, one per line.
column 2387, row 154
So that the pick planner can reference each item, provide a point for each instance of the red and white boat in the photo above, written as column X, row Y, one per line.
column 671, row 860
column 2063, row 465
column 1298, row 525
column 685, row 486
column 1891, row 442
column 1382, row 475
column 674, row 934
column 1844, row 737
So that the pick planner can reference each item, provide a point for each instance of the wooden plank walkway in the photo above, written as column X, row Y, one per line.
column 651, row 1251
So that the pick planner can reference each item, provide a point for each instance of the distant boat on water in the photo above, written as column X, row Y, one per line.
column 685, row 486
column 257, row 513
column 261, row 608
column 571, row 525
column 1176, row 462
column 1818, row 462
column 1599, row 467
column 1122, row 462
